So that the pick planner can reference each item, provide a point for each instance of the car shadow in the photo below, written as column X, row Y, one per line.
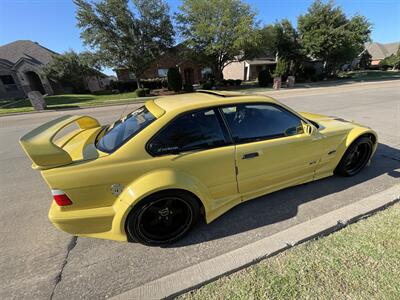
column 284, row 204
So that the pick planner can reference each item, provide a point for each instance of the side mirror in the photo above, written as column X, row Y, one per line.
column 309, row 129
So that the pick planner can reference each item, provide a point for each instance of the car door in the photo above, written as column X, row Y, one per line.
column 272, row 149
column 197, row 144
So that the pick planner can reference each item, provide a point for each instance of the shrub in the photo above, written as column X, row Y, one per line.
column 281, row 68
column 123, row 86
column 188, row 87
column 230, row 82
column 306, row 73
column 140, row 92
column 264, row 78
column 365, row 61
column 238, row 82
column 104, row 92
column 392, row 61
column 154, row 83
column 174, row 79
column 208, row 85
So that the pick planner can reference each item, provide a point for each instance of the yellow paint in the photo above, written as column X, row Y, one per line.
column 86, row 175
column 43, row 151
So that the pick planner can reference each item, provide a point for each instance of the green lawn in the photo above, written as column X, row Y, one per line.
column 343, row 77
column 68, row 101
column 362, row 261
column 369, row 75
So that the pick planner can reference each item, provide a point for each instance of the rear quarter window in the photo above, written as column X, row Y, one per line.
column 122, row 130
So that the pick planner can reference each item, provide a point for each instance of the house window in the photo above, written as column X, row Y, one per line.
column 206, row 73
column 7, row 79
column 162, row 72
column 9, row 83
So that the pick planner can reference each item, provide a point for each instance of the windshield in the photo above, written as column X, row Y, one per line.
column 122, row 130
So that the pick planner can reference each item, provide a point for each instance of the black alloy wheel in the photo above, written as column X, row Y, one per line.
column 162, row 219
column 355, row 158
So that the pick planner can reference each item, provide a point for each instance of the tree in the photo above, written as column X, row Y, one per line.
column 365, row 60
column 392, row 61
column 282, row 67
column 174, row 79
column 288, row 46
column 264, row 78
column 70, row 68
column 121, row 37
column 266, row 42
column 281, row 40
column 329, row 35
column 217, row 30
column 396, row 60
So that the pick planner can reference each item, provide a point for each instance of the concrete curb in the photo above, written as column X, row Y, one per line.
column 204, row 272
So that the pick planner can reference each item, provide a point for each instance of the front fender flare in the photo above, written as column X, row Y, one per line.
column 354, row 134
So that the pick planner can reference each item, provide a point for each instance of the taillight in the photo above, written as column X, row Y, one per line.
column 61, row 198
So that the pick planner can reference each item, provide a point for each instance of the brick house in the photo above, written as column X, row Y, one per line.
column 21, row 64
column 191, row 71
column 248, row 69
column 380, row 51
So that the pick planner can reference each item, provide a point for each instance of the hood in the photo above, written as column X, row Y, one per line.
column 330, row 121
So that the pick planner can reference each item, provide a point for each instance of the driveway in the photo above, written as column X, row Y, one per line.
column 38, row 261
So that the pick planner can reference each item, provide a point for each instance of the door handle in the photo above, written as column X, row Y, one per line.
column 250, row 155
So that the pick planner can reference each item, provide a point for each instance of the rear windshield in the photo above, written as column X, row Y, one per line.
column 122, row 130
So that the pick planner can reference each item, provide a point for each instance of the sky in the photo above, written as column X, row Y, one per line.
column 52, row 23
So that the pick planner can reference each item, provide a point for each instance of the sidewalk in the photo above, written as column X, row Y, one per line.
column 204, row 272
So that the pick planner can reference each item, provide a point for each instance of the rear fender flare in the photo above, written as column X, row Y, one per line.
column 151, row 183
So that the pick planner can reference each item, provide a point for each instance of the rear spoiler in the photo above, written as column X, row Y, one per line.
column 39, row 146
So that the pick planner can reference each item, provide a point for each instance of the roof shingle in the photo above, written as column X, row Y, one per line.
column 29, row 50
column 381, row 51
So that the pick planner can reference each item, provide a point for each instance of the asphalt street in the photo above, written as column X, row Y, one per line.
column 38, row 261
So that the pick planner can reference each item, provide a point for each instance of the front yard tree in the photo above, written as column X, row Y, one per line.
column 217, row 30
column 329, row 35
column 122, row 37
column 71, row 68
column 281, row 40
column 174, row 79
column 365, row 60
column 392, row 61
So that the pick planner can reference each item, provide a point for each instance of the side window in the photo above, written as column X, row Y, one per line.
column 192, row 131
column 255, row 122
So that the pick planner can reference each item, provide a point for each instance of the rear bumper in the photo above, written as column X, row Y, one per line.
column 103, row 222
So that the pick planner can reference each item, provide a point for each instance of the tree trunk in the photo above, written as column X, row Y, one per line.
column 138, row 83
column 291, row 67
column 218, row 73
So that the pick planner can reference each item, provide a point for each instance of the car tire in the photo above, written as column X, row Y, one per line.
column 162, row 218
column 355, row 158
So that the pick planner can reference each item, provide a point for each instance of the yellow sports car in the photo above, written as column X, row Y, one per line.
column 151, row 175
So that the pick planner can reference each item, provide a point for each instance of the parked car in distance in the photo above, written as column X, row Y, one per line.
column 151, row 175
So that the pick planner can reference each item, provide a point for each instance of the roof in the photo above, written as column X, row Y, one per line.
column 25, row 49
column 202, row 99
column 381, row 51
column 261, row 61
